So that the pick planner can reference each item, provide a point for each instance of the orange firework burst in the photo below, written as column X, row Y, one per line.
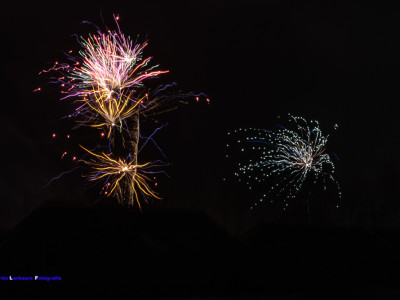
column 123, row 179
column 108, row 111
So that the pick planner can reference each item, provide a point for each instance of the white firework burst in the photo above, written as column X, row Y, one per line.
column 286, row 160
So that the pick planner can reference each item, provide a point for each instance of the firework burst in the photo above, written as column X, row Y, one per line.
column 109, row 61
column 122, row 178
column 110, row 112
column 106, row 79
column 108, row 69
column 287, row 159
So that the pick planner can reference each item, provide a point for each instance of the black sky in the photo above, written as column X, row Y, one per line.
column 336, row 62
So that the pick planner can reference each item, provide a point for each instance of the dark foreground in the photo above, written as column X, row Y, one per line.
column 185, row 255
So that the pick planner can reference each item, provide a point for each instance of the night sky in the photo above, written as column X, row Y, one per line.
column 332, row 61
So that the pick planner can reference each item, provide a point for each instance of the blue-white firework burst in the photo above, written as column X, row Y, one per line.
column 286, row 159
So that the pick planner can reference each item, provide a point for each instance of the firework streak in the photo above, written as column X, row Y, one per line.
column 286, row 160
